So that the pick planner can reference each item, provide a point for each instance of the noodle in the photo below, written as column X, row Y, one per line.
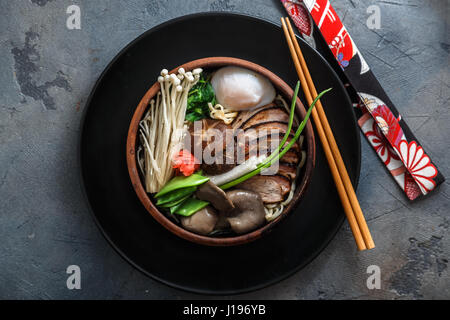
column 219, row 112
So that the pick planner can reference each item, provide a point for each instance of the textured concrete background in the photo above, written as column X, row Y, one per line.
column 47, row 72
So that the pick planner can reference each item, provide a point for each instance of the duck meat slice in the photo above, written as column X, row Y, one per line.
column 218, row 168
column 276, row 140
column 244, row 116
column 290, row 157
column 264, row 146
column 216, row 196
column 287, row 171
column 284, row 183
column 203, row 135
column 265, row 116
column 266, row 129
column 272, row 189
column 204, row 132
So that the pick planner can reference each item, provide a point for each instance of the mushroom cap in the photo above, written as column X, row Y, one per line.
column 201, row 222
column 216, row 196
column 249, row 212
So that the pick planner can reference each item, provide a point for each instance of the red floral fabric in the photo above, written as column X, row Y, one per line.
column 406, row 160
column 379, row 143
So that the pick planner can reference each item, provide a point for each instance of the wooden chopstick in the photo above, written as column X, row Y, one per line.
column 334, row 148
column 344, row 186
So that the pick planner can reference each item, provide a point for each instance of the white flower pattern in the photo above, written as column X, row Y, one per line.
column 418, row 164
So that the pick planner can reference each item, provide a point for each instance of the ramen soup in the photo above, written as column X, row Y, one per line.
column 220, row 150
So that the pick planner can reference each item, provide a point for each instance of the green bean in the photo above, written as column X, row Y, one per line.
column 190, row 206
column 175, row 207
column 180, row 182
column 175, row 202
column 175, row 195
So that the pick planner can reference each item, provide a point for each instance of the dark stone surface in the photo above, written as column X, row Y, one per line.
column 47, row 74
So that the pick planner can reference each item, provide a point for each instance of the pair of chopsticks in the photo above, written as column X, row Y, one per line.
column 344, row 186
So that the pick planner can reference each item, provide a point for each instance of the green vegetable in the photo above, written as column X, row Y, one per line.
column 180, row 182
column 175, row 207
column 175, row 202
column 175, row 195
column 190, row 206
column 276, row 155
column 199, row 96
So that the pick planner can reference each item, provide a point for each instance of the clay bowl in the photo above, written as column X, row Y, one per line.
column 302, row 180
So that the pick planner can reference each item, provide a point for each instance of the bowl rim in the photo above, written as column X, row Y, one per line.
column 281, row 87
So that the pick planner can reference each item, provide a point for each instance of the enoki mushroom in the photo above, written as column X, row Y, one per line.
column 162, row 129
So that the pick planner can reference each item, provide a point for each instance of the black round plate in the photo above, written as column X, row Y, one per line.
column 116, row 208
